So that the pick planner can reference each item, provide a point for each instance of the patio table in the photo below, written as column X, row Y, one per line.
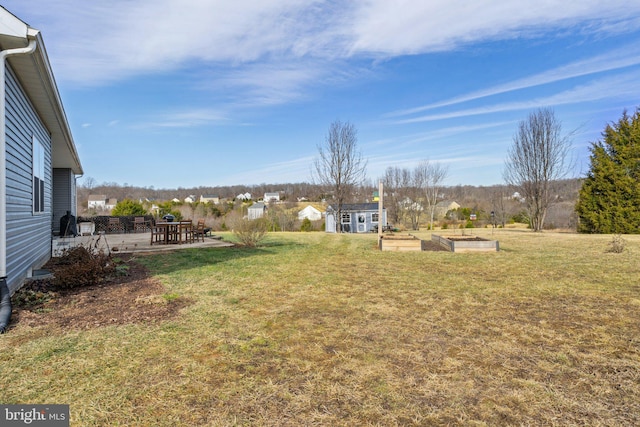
column 173, row 231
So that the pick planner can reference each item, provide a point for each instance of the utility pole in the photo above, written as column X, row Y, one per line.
column 380, row 211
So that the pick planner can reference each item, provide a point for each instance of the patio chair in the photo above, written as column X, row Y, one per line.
column 115, row 225
column 140, row 224
column 186, row 230
column 158, row 233
column 200, row 230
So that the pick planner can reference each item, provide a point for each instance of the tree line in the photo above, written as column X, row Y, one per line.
column 536, row 189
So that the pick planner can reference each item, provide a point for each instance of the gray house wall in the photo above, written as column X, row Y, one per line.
column 28, row 233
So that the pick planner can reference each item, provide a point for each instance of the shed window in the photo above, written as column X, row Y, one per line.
column 374, row 217
column 38, row 176
column 346, row 218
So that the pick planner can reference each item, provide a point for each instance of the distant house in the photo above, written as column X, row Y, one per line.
column 243, row 197
column 208, row 198
column 355, row 218
column 97, row 201
column 271, row 197
column 39, row 162
column 256, row 210
column 408, row 204
column 443, row 207
column 311, row 213
column 190, row 199
column 175, row 200
column 100, row 202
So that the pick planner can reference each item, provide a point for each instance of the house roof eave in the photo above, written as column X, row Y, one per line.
column 36, row 77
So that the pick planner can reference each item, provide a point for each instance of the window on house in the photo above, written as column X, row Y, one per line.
column 38, row 176
column 374, row 217
column 346, row 218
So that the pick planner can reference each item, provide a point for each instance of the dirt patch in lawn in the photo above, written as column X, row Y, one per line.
column 429, row 245
column 134, row 297
column 466, row 239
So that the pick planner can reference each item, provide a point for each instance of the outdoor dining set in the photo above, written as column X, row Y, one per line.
column 167, row 230
column 177, row 232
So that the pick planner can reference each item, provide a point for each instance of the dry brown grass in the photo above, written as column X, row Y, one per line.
column 316, row 329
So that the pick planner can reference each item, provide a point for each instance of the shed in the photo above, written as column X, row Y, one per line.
column 256, row 210
column 355, row 218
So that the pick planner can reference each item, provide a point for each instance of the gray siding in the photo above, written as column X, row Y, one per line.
column 28, row 234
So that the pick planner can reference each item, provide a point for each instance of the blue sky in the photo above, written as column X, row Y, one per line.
column 169, row 94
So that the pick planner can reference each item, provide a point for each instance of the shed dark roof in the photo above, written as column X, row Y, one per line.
column 356, row 207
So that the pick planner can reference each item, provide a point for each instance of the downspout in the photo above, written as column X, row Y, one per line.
column 5, row 295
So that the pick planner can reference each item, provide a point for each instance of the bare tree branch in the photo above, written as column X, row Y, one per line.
column 339, row 165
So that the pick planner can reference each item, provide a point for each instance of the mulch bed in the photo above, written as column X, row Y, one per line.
column 122, row 299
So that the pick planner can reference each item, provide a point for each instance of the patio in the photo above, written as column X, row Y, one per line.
column 128, row 243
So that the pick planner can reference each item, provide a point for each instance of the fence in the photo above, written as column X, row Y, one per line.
column 102, row 222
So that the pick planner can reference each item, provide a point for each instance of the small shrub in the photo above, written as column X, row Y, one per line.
column 81, row 266
column 617, row 244
column 250, row 232
column 306, row 225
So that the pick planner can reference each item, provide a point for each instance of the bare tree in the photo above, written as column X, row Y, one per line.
column 339, row 165
column 429, row 178
column 396, row 184
column 539, row 155
column 499, row 197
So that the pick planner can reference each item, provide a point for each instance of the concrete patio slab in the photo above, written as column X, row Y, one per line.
column 129, row 243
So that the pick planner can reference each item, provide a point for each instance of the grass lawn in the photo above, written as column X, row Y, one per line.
column 318, row 329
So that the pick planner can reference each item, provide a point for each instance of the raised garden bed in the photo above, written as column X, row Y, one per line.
column 466, row 243
column 400, row 242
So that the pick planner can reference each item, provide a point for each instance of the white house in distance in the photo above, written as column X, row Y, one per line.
column 101, row 202
column 244, row 197
column 97, row 201
column 310, row 213
column 39, row 162
column 271, row 197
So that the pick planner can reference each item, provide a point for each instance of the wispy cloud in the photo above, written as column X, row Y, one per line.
column 186, row 119
column 608, row 87
column 95, row 42
column 408, row 27
column 627, row 56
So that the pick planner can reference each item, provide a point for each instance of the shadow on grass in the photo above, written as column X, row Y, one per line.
column 170, row 262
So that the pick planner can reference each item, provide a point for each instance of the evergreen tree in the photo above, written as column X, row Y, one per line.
column 609, row 200
column 128, row 207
